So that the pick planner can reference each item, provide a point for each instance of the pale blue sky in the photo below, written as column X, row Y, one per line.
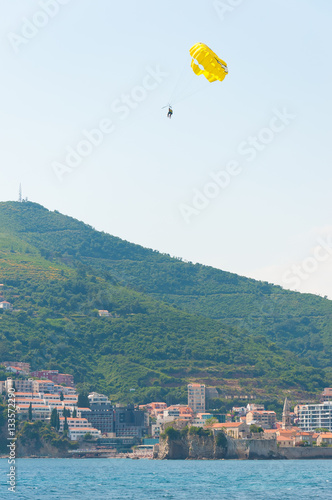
column 69, row 73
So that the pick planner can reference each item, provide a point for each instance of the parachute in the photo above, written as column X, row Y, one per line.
column 206, row 62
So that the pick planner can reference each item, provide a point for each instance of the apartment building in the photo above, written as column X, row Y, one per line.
column 55, row 376
column 100, row 413
column 20, row 385
column 28, row 396
column 196, row 397
column 76, row 433
column 314, row 416
column 39, row 411
column 263, row 418
column 73, row 422
column 154, row 409
column 43, row 386
column 130, row 421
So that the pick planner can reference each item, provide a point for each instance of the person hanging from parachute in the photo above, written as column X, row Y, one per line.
column 205, row 62
column 170, row 112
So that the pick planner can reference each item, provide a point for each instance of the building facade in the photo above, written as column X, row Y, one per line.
column 286, row 417
column 315, row 416
column 130, row 421
column 20, row 385
column 100, row 414
column 46, row 386
column 327, row 394
column 196, row 397
column 263, row 418
column 55, row 376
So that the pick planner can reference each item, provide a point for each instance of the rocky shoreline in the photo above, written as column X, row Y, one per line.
column 205, row 447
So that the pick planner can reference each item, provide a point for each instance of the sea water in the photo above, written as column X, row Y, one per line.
column 122, row 479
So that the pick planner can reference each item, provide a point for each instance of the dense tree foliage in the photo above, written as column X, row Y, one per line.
column 33, row 436
column 171, row 322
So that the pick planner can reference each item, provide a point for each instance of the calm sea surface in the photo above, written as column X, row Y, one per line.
column 121, row 479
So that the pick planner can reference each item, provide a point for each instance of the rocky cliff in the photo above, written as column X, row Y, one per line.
column 184, row 445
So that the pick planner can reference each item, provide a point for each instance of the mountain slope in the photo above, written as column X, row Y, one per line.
column 231, row 332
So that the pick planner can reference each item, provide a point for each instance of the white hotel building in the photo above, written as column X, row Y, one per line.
column 314, row 416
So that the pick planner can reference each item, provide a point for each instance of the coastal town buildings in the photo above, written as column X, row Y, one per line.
column 55, row 376
column 154, row 409
column 24, row 367
column 126, row 425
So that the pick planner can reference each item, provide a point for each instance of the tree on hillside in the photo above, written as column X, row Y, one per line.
column 83, row 400
column 210, row 421
column 66, row 412
column 255, row 429
column 54, row 418
column 30, row 412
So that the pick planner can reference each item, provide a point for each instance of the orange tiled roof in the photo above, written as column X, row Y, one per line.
column 24, row 405
column 27, row 393
column 227, row 424
column 284, row 438
column 27, row 400
column 44, row 381
column 73, row 418
column 262, row 411
column 82, row 429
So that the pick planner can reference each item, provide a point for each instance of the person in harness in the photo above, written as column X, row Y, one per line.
column 170, row 112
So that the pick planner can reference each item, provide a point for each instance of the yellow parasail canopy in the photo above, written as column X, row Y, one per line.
column 206, row 62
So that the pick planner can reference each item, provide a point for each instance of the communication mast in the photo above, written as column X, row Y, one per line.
column 20, row 194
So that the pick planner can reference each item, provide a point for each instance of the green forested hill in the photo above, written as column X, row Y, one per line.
column 175, row 321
